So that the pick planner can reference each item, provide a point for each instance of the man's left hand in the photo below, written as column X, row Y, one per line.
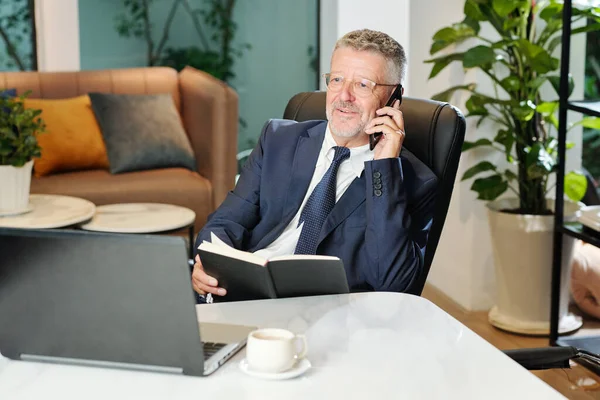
column 391, row 123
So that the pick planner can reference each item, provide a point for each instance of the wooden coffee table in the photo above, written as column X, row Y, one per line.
column 143, row 218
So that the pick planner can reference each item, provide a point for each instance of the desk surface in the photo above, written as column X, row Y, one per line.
column 381, row 345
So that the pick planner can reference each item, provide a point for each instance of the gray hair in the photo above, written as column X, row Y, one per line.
column 378, row 43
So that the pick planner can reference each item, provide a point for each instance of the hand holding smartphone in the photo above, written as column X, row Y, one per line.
column 396, row 95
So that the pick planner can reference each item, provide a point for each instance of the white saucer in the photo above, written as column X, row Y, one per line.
column 11, row 213
column 298, row 369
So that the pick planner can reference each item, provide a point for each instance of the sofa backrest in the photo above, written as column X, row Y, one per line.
column 208, row 107
column 58, row 85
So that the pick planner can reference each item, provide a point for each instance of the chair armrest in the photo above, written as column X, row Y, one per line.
column 209, row 109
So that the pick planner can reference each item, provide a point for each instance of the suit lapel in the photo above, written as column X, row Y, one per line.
column 352, row 198
column 303, row 168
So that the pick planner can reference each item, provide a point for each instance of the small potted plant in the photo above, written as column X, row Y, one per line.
column 19, row 127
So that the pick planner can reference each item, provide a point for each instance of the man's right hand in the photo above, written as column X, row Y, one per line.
column 203, row 283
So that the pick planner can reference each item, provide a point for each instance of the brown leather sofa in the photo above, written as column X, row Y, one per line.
column 209, row 111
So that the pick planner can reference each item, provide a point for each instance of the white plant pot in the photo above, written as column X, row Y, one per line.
column 522, row 247
column 14, row 188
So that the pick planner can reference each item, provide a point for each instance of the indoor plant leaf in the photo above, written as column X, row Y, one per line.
column 506, row 139
column 523, row 37
column 539, row 162
column 472, row 11
column 479, row 56
column 489, row 188
column 505, row 7
column 575, row 185
column 483, row 166
column 470, row 145
column 525, row 110
column 451, row 35
column 446, row 94
column 511, row 83
column 440, row 63
column 555, row 81
column 19, row 128
column 589, row 122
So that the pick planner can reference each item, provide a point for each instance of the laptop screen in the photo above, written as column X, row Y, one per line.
column 95, row 296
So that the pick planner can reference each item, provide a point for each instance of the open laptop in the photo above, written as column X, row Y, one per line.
column 110, row 300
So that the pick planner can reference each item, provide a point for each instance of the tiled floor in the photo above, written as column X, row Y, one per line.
column 574, row 383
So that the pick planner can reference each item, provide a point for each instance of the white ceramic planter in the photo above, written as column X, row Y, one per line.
column 522, row 247
column 14, row 188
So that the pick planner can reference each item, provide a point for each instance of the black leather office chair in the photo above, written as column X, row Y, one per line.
column 435, row 133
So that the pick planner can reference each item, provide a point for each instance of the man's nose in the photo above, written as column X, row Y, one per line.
column 347, row 93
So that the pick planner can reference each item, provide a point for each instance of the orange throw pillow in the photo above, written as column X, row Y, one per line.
column 72, row 140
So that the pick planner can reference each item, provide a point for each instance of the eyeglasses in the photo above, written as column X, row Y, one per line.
column 362, row 87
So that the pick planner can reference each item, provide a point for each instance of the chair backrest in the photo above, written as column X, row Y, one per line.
column 435, row 133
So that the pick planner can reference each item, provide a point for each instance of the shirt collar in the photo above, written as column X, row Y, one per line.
column 358, row 155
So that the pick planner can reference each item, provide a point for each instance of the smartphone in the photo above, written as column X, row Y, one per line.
column 396, row 95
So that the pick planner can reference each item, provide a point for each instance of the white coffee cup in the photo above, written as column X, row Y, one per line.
column 274, row 350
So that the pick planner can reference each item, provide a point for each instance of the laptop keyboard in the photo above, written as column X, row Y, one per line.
column 211, row 348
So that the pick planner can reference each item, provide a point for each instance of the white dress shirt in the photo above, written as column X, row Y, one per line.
column 349, row 170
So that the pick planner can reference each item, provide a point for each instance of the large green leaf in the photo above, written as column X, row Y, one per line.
column 575, row 185
column 552, row 11
column 471, row 10
column 473, row 23
column 506, row 139
column 537, row 57
column 451, row 35
column 476, row 105
column 587, row 28
column 478, row 143
column 553, row 44
column 483, row 166
column 489, row 188
column 524, row 111
column 447, row 94
column 547, row 108
column 440, row 63
column 510, row 176
column 505, row 7
column 538, row 163
column 555, row 82
column 479, row 56
column 511, row 84
column 503, row 44
column 589, row 122
column 511, row 23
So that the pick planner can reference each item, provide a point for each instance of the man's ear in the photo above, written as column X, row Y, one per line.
column 402, row 90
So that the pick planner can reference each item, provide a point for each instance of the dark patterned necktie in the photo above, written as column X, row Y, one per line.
column 319, row 205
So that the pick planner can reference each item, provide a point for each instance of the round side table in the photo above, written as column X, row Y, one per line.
column 143, row 218
column 48, row 211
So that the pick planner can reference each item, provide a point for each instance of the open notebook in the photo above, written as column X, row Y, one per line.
column 248, row 276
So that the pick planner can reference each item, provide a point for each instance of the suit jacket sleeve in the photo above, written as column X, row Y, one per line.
column 239, row 213
column 398, row 223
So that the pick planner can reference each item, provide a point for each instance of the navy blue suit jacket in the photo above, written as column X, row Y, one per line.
column 380, row 234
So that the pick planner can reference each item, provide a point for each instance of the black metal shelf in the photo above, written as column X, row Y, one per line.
column 586, row 107
column 560, row 227
column 577, row 230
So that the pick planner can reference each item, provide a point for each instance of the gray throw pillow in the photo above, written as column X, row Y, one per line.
column 142, row 132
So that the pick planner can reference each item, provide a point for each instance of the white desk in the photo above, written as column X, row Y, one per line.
column 377, row 345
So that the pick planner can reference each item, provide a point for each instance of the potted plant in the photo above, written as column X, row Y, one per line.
column 19, row 128
column 518, row 58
